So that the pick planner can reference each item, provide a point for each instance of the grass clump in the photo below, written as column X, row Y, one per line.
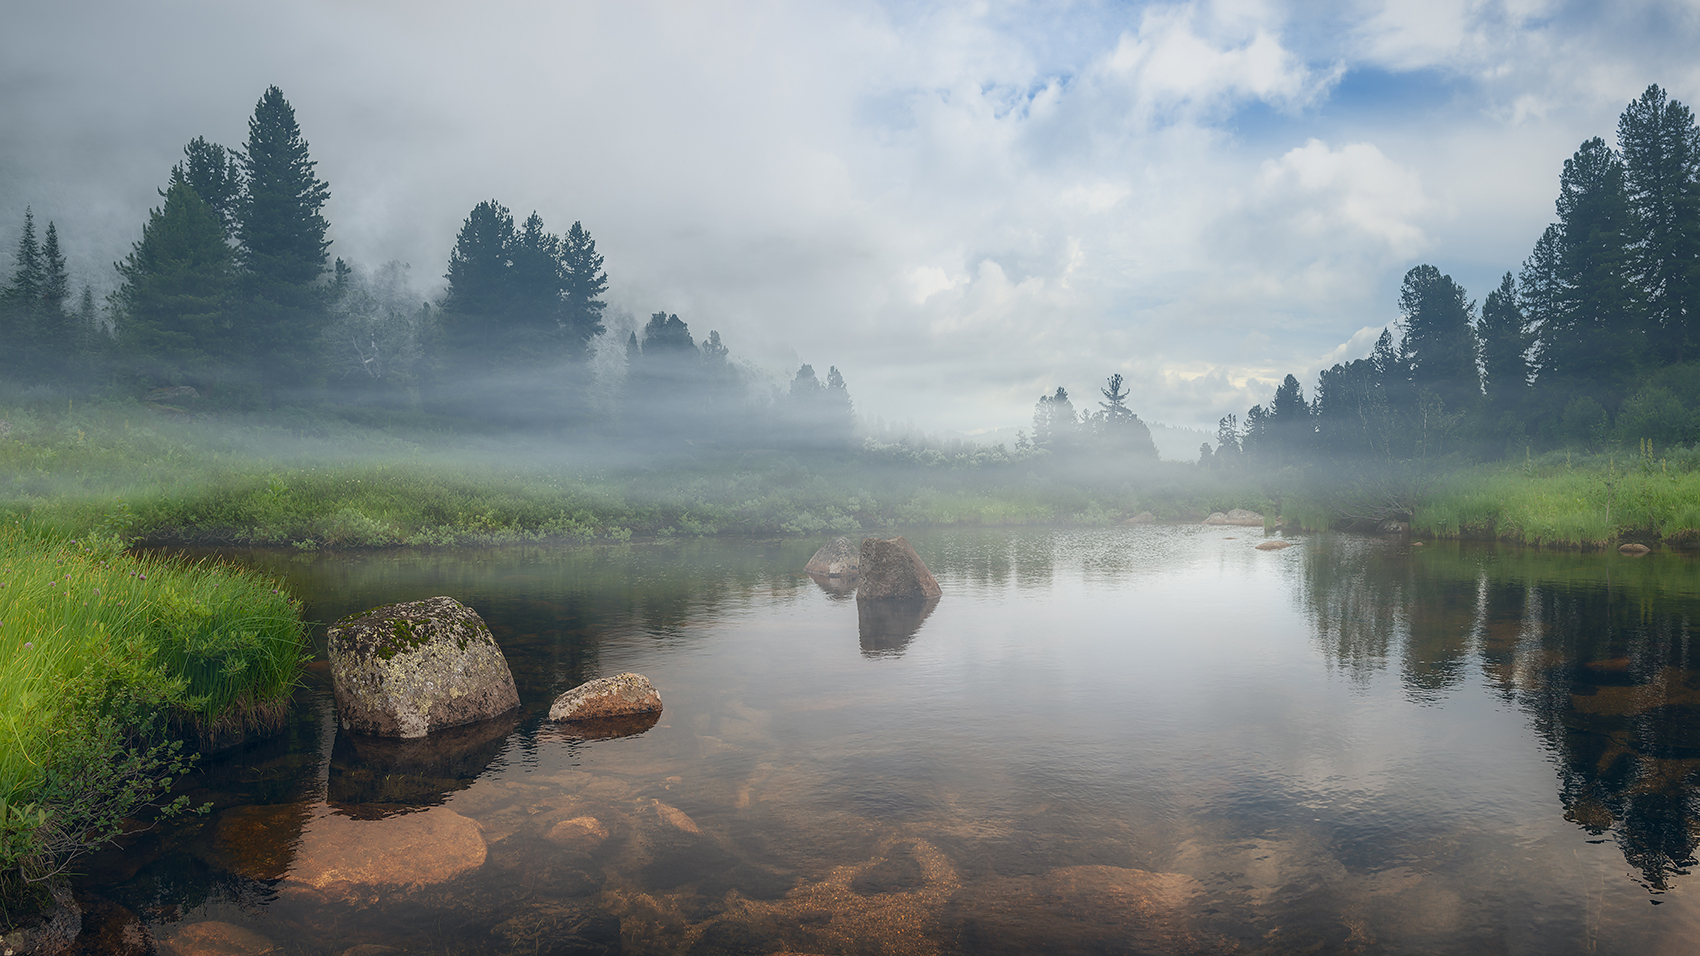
column 105, row 658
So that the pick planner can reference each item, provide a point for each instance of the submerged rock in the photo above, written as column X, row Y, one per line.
column 404, row 670
column 214, row 938
column 890, row 568
column 1634, row 550
column 408, row 849
column 837, row 558
column 619, row 696
column 1274, row 545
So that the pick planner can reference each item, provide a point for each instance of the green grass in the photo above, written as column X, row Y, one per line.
column 217, row 646
column 313, row 481
column 101, row 652
column 1568, row 501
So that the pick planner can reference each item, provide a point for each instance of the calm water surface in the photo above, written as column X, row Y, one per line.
column 1145, row 740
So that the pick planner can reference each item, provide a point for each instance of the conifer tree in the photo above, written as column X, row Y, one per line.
column 20, row 301
column 173, row 310
column 284, row 251
column 1661, row 159
column 216, row 175
column 583, row 282
column 1439, row 337
column 1505, row 342
column 1593, row 338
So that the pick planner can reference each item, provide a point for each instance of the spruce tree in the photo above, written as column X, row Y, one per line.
column 284, row 251
column 1121, row 431
column 533, row 283
column 583, row 282
column 20, row 302
column 173, row 311
column 1288, row 428
column 1661, row 159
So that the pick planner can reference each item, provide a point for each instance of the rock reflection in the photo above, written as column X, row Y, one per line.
column 835, row 588
column 376, row 776
column 1596, row 649
column 604, row 728
column 887, row 627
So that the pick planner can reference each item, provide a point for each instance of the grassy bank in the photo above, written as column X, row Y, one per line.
column 316, row 481
column 105, row 657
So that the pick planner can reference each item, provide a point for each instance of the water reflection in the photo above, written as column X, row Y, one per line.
column 1597, row 649
column 886, row 627
column 372, row 777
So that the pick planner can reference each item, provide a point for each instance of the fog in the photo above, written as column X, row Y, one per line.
column 960, row 206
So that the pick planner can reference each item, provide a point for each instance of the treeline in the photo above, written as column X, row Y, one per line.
column 1112, row 431
column 1594, row 341
column 231, row 298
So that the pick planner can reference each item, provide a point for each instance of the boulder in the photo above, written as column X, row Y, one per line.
column 1635, row 550
column 1144, row 517
column 1216, row 517
column 622, row 695
column 1393, row 526
column 837, row 558
column 404, row 670
column 1274, row 545
column 890, row 568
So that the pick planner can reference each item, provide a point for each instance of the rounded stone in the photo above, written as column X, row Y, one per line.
column 618, row 696
column 404, row 670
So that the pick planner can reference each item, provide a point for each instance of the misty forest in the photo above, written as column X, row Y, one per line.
column 236, row 437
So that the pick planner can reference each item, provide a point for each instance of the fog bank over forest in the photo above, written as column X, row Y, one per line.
column 961, row 208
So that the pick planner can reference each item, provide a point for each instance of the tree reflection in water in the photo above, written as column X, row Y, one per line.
column 1596, row 648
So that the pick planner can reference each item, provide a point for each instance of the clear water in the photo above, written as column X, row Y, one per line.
column 1142, row 740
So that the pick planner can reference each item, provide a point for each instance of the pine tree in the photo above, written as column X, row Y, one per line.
column 284, row 251
column 1661, row 157
column 1593, row 338
column 1439, row 337
column 533, row 282
column 173, row 310
column 1120, row 430
column 1288, row 429
column 1505, row 341
column 216, row 175
column 584, row 281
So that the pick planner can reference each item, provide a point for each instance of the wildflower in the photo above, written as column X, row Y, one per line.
column 144, row 577
column 28, row 644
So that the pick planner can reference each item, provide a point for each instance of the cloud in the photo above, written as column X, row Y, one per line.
column 959, row 204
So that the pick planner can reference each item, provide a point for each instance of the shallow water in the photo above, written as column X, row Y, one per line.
column 1151, row 740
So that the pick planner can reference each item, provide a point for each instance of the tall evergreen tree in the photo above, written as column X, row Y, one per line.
column 284, row 252
column 1439, row 337
column 1661, row 159
column 1120, row 432
column 1594, row 337
column 1289, row 431
column 584, row 281
column 533, row 283
column 216, row 175
column 20, row 302
column 174, row 308
column 1505, row 342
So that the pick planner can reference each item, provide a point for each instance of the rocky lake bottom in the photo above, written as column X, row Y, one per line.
column 1152, row 739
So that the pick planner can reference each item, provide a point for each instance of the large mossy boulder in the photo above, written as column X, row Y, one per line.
column 889, row 569
column 404, row 670
column 837, row 558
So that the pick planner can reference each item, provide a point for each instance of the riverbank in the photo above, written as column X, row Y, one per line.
column 109, row 662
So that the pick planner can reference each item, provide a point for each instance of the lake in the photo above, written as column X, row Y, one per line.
column 1136, row 740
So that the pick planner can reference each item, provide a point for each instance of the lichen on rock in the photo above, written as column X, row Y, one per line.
column 403, row 670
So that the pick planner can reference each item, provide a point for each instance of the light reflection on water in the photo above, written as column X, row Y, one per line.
column 1151, row 739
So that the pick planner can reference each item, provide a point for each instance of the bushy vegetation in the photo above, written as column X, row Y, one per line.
column 108, row 660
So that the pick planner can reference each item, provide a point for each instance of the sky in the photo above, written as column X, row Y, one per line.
column 961, row 206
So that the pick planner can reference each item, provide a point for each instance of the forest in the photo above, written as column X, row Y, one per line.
column 231, row 312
